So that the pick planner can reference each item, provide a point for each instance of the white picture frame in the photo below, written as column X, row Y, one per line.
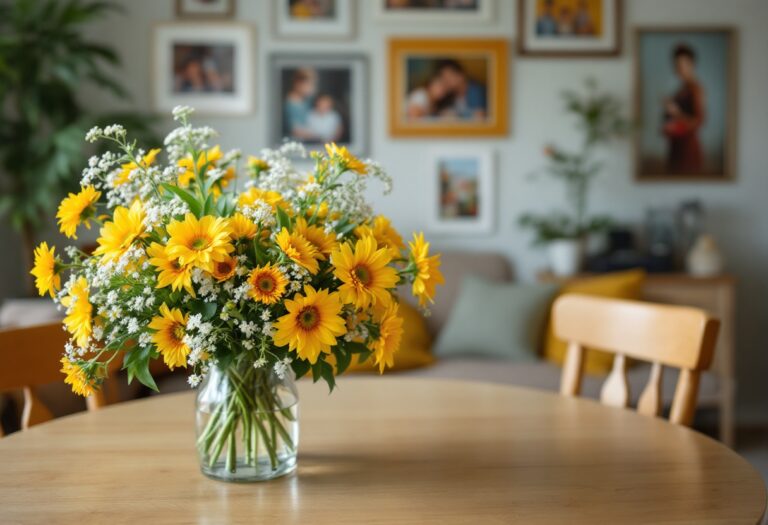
column 483, row 13
column 205, row 10
column 452, row 214
column 338, row 27
column 225, row 48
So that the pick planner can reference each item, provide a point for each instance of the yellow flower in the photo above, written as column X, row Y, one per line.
column 199, row 242
column 172, row 273
column 118, row 235
column 206, row 159
column 77, row 209
column 170, row 328
column 250, row 197
column 257, row 165
column 390, row 335
column 241, row 227
column 224, row 269
column 267, row 284
column 323, row 242
column 345, row 158
column 320, row 211
column 298, row 249
column 47, row 270
column 77, row 378
column 427, row 274
column 78, row 321
column 384, row 233
column 365, row 273
column 128, row 168
column 311, row 325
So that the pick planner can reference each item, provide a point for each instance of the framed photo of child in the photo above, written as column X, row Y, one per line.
column 319, row 99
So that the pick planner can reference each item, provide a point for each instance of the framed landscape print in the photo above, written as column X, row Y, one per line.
column 685, row 104
column 462, row 196
column 314, row 18
column 208, row 66
column 461, row 11
column 318, row 99
column 569, row 28
column 205, row 8
column 448, row 87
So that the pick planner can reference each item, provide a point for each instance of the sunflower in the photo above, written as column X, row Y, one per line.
column 324, row 242
column 253, row 195
column 171, row 272
column 129, row 167
column 199, row 242
column 427, row 274
column 77, row 377
column 242, row 228
column 170, row 329
column 47, row 270
column 206, row 159
column 390, row 335
column 79, row 310
column 346, row 160
column 298, row 249
column 364, row 272
column 384, row 233
column 312, row 323
column 224, row 269
column 267, row 284
column 118, row 235
column 76, row 209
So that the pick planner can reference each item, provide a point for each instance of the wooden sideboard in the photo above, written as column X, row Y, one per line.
column 716, row 296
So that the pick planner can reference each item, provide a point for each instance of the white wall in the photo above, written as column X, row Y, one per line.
column 737, row 212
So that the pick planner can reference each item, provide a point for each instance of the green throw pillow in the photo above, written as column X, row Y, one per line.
column 497, row 320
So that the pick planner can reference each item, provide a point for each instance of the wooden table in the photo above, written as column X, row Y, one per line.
column 383, row 450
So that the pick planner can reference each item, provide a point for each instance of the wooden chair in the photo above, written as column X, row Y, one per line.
column 674, row 336
column 30, row 358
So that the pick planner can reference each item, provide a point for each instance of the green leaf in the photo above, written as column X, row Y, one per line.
column 136, row 361
column 300, row 367
column 207, row 310
column 283, row 220
column 326, row 371
column 343, row 359
column 192, row 202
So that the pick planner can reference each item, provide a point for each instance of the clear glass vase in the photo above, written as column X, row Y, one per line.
column 247, row 423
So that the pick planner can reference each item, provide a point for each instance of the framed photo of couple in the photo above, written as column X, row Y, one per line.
column 448, row 87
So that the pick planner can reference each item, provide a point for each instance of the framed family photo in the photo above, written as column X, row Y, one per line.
column 318, row 99
column 205, row 8
column 570, row 28
column 205, row 65
column 327, row 19
column 421, row 11
column 448, row 87
column 462, row 196
column 685, row 104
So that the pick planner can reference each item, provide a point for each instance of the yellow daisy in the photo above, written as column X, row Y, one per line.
column 47, row 270
column 77, row 378
column 172, row 273
column 267, row 284
column 384, row 233
column 224, row 269
column 76, row 209
column 364, row 272
column 250, row 197
column 323, row 242
column 298, row 249
column 311, row 325
column 206, row 159
column 257, row 165
column 78, row 321
column 390, row 336
column 320, row 211
column 118, row 235
column 128, row 168
column 242, row 228
column 199, row 242
column 345, row 158
column 170, row 329
column 428, row 274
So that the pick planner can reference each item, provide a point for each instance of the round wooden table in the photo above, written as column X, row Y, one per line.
column 381, row 450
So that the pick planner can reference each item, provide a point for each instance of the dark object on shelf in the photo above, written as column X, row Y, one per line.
column 622, row 254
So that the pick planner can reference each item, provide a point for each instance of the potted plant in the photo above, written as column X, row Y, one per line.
column 599, row 119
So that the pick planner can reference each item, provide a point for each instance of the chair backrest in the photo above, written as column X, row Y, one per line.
column 30, row 358
column 674, row 336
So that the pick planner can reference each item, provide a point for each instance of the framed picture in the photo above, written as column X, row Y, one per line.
column 448, row 87
column 314, row 18
column 318, row 99
column 462, row 196
column 205, row 65
column 570, row 28
column 205, row 8
column 685, row 104
column 420, row 11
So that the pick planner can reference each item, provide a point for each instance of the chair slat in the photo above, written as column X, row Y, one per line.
column 570, row 385
column 35, row 412
column 615, row 391
column 686, row 392
column 650, row 402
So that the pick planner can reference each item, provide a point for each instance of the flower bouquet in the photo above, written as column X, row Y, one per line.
column 244, row 286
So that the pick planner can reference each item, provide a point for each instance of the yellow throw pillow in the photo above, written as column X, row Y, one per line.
column 415, row 349
column 618, row 285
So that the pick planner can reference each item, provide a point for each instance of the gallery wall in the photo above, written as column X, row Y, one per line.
column 737, row 213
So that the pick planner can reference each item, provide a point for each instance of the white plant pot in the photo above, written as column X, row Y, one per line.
column 565, row 256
